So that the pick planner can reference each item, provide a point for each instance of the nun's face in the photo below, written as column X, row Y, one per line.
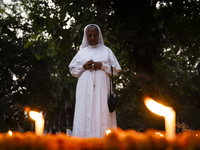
column 92, row 35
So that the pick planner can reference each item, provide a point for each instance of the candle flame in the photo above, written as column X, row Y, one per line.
column 108, row 131
column 157, row 108
column 159, row 134
column 35, row 115
column 167, row 112
column 10, row 133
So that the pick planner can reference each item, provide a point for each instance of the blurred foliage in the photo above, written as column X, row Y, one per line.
column 156, row 42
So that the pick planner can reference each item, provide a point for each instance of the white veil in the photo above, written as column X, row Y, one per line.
column 85, row 41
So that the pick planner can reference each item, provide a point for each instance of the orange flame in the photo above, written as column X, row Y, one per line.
column 39, row 122
column 108, row 131
column 10, row 133
column 35, row 115
column 167, row 112
column 157, row 108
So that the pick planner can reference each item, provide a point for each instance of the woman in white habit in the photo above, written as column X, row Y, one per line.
column 92, row 66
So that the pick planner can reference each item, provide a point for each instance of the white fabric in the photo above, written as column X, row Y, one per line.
column 85, row 41
column 92, row 116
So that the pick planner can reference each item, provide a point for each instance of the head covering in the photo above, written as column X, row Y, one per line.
column 85, row 41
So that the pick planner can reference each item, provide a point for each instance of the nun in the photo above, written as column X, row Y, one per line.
column 92, row 66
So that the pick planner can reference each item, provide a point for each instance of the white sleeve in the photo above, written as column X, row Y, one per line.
column 106, row 68
column 111, row 62
column 77, row 71
column 76, row 67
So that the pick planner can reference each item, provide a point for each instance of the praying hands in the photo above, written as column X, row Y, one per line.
column 91, row 65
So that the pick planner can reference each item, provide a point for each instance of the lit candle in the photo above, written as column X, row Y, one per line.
column 167, row 112
column 10, row 133
column 39, row 122
column 108, row 131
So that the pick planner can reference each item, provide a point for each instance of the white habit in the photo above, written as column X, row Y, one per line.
column 92, row 116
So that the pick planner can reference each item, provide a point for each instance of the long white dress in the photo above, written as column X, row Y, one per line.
column 92, row 116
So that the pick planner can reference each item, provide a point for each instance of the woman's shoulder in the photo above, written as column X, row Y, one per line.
column 108, row 49
column 83, row 50
column 105, row 47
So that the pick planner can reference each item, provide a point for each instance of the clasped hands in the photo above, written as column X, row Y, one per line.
column 91, row 65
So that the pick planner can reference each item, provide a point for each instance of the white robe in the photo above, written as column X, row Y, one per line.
column 92, row 116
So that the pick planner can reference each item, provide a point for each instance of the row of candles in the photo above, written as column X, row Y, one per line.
column 167, row 112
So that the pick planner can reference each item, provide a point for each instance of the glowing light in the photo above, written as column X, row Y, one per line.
column 10, row 133
column 39, row 122
column 167, row 112
column 108, row 131
column 157, row 108
column 35, row 115
column 159, row 134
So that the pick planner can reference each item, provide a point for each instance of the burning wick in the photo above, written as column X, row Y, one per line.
column 39, row 122
column 167, row 112
column 159, row 134
column 10, row 133
column 108, row 132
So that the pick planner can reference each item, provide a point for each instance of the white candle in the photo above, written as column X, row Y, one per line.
column 39, row 122
column 167, row 112
column 170, row 126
